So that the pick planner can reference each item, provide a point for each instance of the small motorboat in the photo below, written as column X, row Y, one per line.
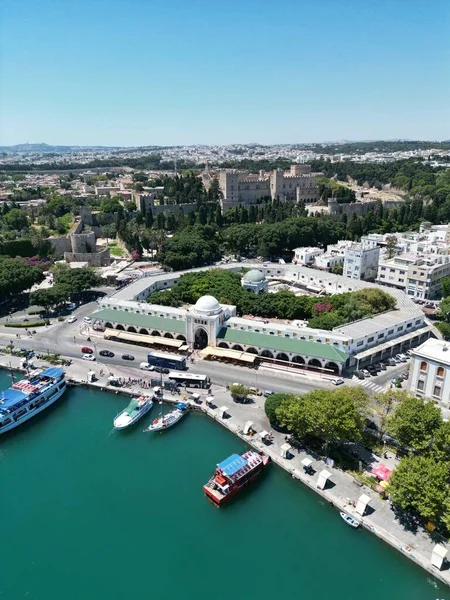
column 137, row 408
column 350, row 520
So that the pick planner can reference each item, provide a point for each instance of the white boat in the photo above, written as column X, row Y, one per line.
column 137, row 408
column 30, row 396
column 350, row 520
column 169, row 419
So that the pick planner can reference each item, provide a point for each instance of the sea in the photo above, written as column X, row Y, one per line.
column 89, row 513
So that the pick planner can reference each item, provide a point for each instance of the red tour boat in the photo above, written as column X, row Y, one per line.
column 234, row 473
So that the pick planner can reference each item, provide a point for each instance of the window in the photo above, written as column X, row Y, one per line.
column 381, row 336
column 400, row 328
column 360, row 343
column 370, row 340
column 420, row 385
column 440, row 372
column 424, row 366
column 437, row 391
column 390, row 332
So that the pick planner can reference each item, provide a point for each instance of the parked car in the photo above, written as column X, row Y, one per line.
column 391, row 362
column 268, row 393
column 365, row 372
column 71, row 306
column 360, row 375
column 87, row 350
column 405, row 375
column 107, row 353
column 127, row 357
column 71, row 319
column 337, row 381
column 88, row 357
column 383, row 366
column 401, row 357
column 87, row 320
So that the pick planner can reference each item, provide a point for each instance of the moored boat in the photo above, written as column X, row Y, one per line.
column 30, row 396
column 136, row 409
column 350, row 520
column 233, row 474
column 169, row 419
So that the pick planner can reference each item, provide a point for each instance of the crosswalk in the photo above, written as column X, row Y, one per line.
column 370, row 385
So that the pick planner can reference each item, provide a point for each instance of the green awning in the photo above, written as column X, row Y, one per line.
column 282, row 344
column 108, row 315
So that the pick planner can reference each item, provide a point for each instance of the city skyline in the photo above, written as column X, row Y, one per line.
column 171, row 74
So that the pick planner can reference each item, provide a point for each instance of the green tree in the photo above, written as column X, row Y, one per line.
column 331, row 415
column 16, row 276
column 415, row 422
column 419, row 484
column 386, row 402
column 444, row 328
column 391, row 243
column 238, row 391
column 76, row 280
column 15, row 220
column 273, row 402
column 445, row 287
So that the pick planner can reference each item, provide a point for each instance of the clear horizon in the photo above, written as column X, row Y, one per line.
column 112, row 73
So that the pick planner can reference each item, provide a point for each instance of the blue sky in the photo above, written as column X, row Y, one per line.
column 138, row 72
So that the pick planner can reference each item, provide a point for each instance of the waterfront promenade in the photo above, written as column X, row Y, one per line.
column 341, row 490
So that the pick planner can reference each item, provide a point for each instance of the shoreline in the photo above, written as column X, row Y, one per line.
column 333, row 499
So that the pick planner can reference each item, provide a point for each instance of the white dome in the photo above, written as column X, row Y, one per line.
column 207, row 304
column 254, row 276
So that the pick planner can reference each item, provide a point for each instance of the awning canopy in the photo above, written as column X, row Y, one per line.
column 306, row 462
column 324, row 475
column 247, row 427
column 382, row 472
column 237, row 355
column 438, row 556
column 263, row 434
column 223, row 410
column 150, row 340
column 362, row 503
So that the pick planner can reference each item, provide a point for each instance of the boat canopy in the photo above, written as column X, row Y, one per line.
column 10, row 398
column 52, row 372
column 181, row 405
column 232, row 464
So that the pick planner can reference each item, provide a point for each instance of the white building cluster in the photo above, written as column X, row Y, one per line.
column 418, row 260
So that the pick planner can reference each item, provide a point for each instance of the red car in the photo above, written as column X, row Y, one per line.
column 86, row 350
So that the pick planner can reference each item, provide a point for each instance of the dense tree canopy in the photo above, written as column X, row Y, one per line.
column 16, row 276
column 331, row 415
column 415, row 422
column 226, row 287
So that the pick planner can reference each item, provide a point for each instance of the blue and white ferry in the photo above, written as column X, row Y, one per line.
column 28, row 397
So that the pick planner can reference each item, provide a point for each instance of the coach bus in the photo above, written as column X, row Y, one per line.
column 192, row 380
column 168, row 361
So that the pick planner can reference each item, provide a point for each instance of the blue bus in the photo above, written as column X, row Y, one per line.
column 168, row 361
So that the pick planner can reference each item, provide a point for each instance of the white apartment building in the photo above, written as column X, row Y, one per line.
column 418, row 276
column 430, row 371
column 305, row 255
column 361, row 262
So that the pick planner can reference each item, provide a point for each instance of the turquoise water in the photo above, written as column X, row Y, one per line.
column 89, row 513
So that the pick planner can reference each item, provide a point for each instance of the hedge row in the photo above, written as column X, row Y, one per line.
column 26, row 325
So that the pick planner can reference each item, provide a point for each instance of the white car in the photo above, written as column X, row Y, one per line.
column 87, row 320
column 71, row 319
column 338, row 381
column 90, row 357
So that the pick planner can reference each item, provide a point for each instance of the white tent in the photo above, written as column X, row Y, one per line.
column 322, row 479
column 264, row 434
column 285, row 448
column 361, row 505
column 209, row 400
column 247, row 427
column 223, row 411
column 91, row 376
column 438, row 556
column 307, row 462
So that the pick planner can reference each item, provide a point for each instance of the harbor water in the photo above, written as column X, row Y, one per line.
column 89, row 513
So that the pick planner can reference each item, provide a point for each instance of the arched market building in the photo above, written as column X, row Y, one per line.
column 214, row 329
